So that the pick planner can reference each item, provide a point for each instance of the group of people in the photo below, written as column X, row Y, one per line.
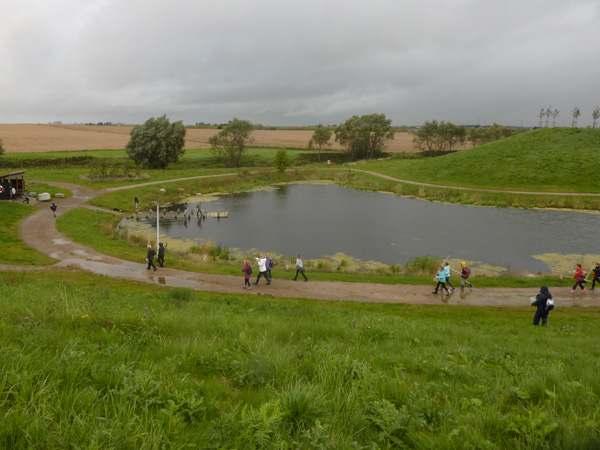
column 265, row 266
column 151, row 253
column 581, row 277
column 443, row 278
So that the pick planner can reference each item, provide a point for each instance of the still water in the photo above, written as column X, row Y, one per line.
column 318, row 220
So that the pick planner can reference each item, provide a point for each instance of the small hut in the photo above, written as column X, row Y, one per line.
column 10, row 180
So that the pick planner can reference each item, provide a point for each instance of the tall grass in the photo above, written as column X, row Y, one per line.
column 88, row 362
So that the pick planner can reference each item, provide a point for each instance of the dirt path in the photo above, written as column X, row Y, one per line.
column 468, row 189
column 39, row 232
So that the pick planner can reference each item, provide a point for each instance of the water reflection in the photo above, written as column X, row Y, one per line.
column 318, row 220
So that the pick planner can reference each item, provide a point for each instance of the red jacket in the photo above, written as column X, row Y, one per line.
column 579, row 274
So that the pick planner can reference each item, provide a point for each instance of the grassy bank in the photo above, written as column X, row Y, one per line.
column 98, row 230
column 89, row 362
column 558, row 159
column 12, row 249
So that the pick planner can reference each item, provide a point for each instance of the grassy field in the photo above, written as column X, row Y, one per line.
column 96, row 229
column 560, row 160
column 12, row 249
column 88, row 362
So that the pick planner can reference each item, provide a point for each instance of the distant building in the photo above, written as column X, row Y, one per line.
column 10, row 180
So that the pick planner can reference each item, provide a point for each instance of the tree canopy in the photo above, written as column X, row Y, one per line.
column 230, row 143
column 320, row 138
column 439, row 136
column 156, row 143
column 364, row 136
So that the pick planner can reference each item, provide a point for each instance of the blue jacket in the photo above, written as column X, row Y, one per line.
column 441, row 276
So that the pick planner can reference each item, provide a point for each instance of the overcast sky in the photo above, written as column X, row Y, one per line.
column 298, row 61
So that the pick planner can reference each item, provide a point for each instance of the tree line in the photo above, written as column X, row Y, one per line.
column 547, row 117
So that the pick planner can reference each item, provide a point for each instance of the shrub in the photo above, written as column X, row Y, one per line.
column 282, row 161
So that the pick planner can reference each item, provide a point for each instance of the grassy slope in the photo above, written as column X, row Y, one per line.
column 87, row 362
column 566, row 160
column 12, row 249
column 95, row 229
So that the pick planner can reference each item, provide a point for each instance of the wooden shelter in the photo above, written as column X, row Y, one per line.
column 10, row 180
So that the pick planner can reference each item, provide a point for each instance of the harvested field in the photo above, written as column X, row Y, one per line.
column 41, row 138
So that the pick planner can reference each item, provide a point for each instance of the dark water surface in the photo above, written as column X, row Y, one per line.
column 318, row 220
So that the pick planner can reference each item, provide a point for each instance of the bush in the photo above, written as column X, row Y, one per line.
column 1, row 148
column 156, row 143
column 282, row 161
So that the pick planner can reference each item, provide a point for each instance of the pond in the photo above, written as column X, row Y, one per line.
column 320, row 219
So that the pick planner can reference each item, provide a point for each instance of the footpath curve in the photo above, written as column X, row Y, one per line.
column 469, row 189
column 39, row 232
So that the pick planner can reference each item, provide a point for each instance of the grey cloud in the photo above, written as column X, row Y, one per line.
column 294, row 62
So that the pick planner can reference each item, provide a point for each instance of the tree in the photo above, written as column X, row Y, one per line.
column 156, row 143
column 555, row 113
column 548, row 115
column 282, row 162
column 483, row 135
column 230, row 143
column 320, row 138
column 365, row 136
column 576, row 113
column 439, row 136
column 595, row 117
column 1, row 148
column 541, row 116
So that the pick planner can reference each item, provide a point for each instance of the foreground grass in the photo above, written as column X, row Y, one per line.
column 12, row 249
column 558, row 159
column 96, row 229
column 88, row 362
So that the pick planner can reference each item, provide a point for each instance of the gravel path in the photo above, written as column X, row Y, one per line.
column 39, row 232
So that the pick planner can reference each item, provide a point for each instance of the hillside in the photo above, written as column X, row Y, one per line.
column 564, row 159
column 89, row 362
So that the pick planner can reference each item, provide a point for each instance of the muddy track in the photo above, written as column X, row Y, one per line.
column 39, row 232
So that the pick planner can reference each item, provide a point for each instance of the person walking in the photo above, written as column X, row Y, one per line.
column 161, row 254
column 150, row 254
column 465, row 273
column 448, row 271
column 136, row 203
column 270, row 265
column 13, row 193
column 441, row 278
column 300, row 268
column 595, row 275
column 543, row 303
column 579, row 277
column 247, row 271
column 262, row 270
column 53, row 208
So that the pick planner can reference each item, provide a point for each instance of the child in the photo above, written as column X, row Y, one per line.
column 441, row 277
column 579, row 277
column 247, row 271
column 448, row 271
column 465, row 273
column 596, row 275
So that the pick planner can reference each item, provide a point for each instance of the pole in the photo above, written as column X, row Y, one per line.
column 157, row 225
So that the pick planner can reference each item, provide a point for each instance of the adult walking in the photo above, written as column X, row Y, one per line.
column 579, row 277
column 150, row 254
column 161, row 254
column 262, row 270
column 441, row 278
column 247, row 271
column 136, row 203
column 543, row 303
column 270, row 265
column 300, row 268
column 53, row 208
column 595, row 275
